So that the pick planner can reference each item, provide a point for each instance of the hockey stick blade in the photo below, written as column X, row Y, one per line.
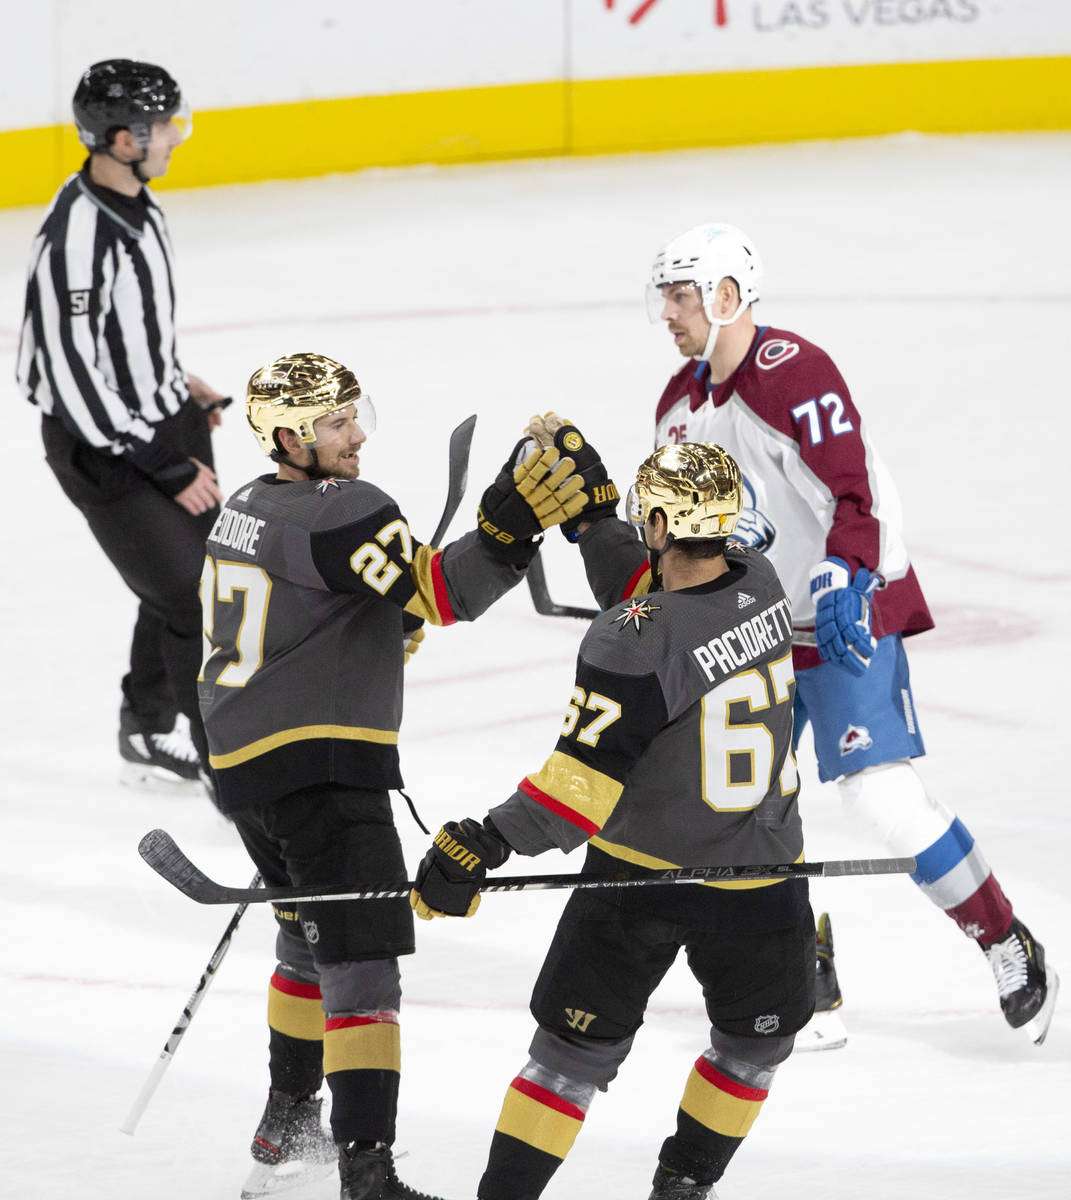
column 159, row 850
column 457, row 476
column 541, row 601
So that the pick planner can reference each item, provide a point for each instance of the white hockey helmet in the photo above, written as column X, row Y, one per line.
column 704, row 256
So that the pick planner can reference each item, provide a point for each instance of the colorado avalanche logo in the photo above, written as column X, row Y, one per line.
column 754, row 528
column 774, row 352
column 855, row 737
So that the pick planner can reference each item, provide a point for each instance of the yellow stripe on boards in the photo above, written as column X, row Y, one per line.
column 675, row 111
column 319, row 137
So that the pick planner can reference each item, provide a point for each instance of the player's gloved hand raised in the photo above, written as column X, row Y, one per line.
column 559, row 432
column 525, row 499
column 842, row 614
column 449, row 876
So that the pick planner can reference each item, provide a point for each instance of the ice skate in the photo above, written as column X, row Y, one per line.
column 670, row 1185
column 158, row 761
column 290, row 1146
column 369, row 1175
column 825, row 1030
column 1027, row 988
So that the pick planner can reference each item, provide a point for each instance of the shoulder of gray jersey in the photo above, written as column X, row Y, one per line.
column 664, row 633
column 317, row 506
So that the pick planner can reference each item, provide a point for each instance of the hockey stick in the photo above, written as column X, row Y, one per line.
column 458, row 476
column 159, row 850
column 185, row 1017
column 544, row 605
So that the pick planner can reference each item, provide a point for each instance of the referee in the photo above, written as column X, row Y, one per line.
column 126, row 431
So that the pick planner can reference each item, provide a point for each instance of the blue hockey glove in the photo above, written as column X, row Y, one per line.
column 842, row 614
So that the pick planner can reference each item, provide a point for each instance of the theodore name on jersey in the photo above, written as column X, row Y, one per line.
column 746, row 642
column 237, row 531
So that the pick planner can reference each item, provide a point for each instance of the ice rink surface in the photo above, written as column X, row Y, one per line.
column 935, row 271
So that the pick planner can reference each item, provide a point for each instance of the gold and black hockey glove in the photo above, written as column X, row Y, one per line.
column 450, row 874
column 526, row 499
column 559, row 432
column 411, row 644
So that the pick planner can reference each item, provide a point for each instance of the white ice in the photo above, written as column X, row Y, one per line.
column 935, row 270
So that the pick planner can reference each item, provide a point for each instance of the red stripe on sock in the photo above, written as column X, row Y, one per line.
column 724, row 1084
column 291, row 987
column 383, row 1018
column 550, row 1099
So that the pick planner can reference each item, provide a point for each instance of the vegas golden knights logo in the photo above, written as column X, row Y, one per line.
column 578, row 1019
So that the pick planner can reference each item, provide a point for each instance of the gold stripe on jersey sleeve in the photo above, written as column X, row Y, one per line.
column 430, row 600
column 583, row 791
column 285, row 737
column 651, row 863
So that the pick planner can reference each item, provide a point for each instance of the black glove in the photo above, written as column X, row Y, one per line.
column 603, row 495
column 449, row 876
column 524, row 500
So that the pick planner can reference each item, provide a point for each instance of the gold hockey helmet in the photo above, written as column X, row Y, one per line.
column 294, row 391
column 696, row 485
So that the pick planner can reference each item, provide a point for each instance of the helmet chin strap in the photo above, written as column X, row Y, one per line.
column 312, row 470
column 134, row 163
column 654, row 556
column 715, row 329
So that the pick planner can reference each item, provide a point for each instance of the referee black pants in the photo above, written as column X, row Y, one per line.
column 158, row 549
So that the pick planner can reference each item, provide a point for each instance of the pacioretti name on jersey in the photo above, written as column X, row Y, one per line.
column 746, row 642
column 237, row 531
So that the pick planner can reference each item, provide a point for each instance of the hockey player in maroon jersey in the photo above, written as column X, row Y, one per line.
column 313, row 588
column 822, row 506
column 676, row 750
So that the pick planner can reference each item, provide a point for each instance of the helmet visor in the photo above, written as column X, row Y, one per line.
column 365, row 414
column 182, row 119
column 657, row 295
column 634, row 510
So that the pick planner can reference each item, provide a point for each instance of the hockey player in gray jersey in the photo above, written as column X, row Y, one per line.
column 676, row 750
column 314, row 590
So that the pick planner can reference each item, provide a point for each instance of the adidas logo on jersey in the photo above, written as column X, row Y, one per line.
column 743, row 599
column 244, row 493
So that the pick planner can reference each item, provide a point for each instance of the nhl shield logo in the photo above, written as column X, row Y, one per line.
column 768, row 1023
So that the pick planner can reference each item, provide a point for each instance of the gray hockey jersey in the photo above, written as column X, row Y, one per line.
column 307, row 591
column 676, row 748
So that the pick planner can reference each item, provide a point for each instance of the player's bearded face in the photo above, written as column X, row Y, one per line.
column 338, row 440
column 682, row 310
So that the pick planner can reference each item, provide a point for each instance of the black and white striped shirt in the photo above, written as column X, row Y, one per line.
column 98, row 340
